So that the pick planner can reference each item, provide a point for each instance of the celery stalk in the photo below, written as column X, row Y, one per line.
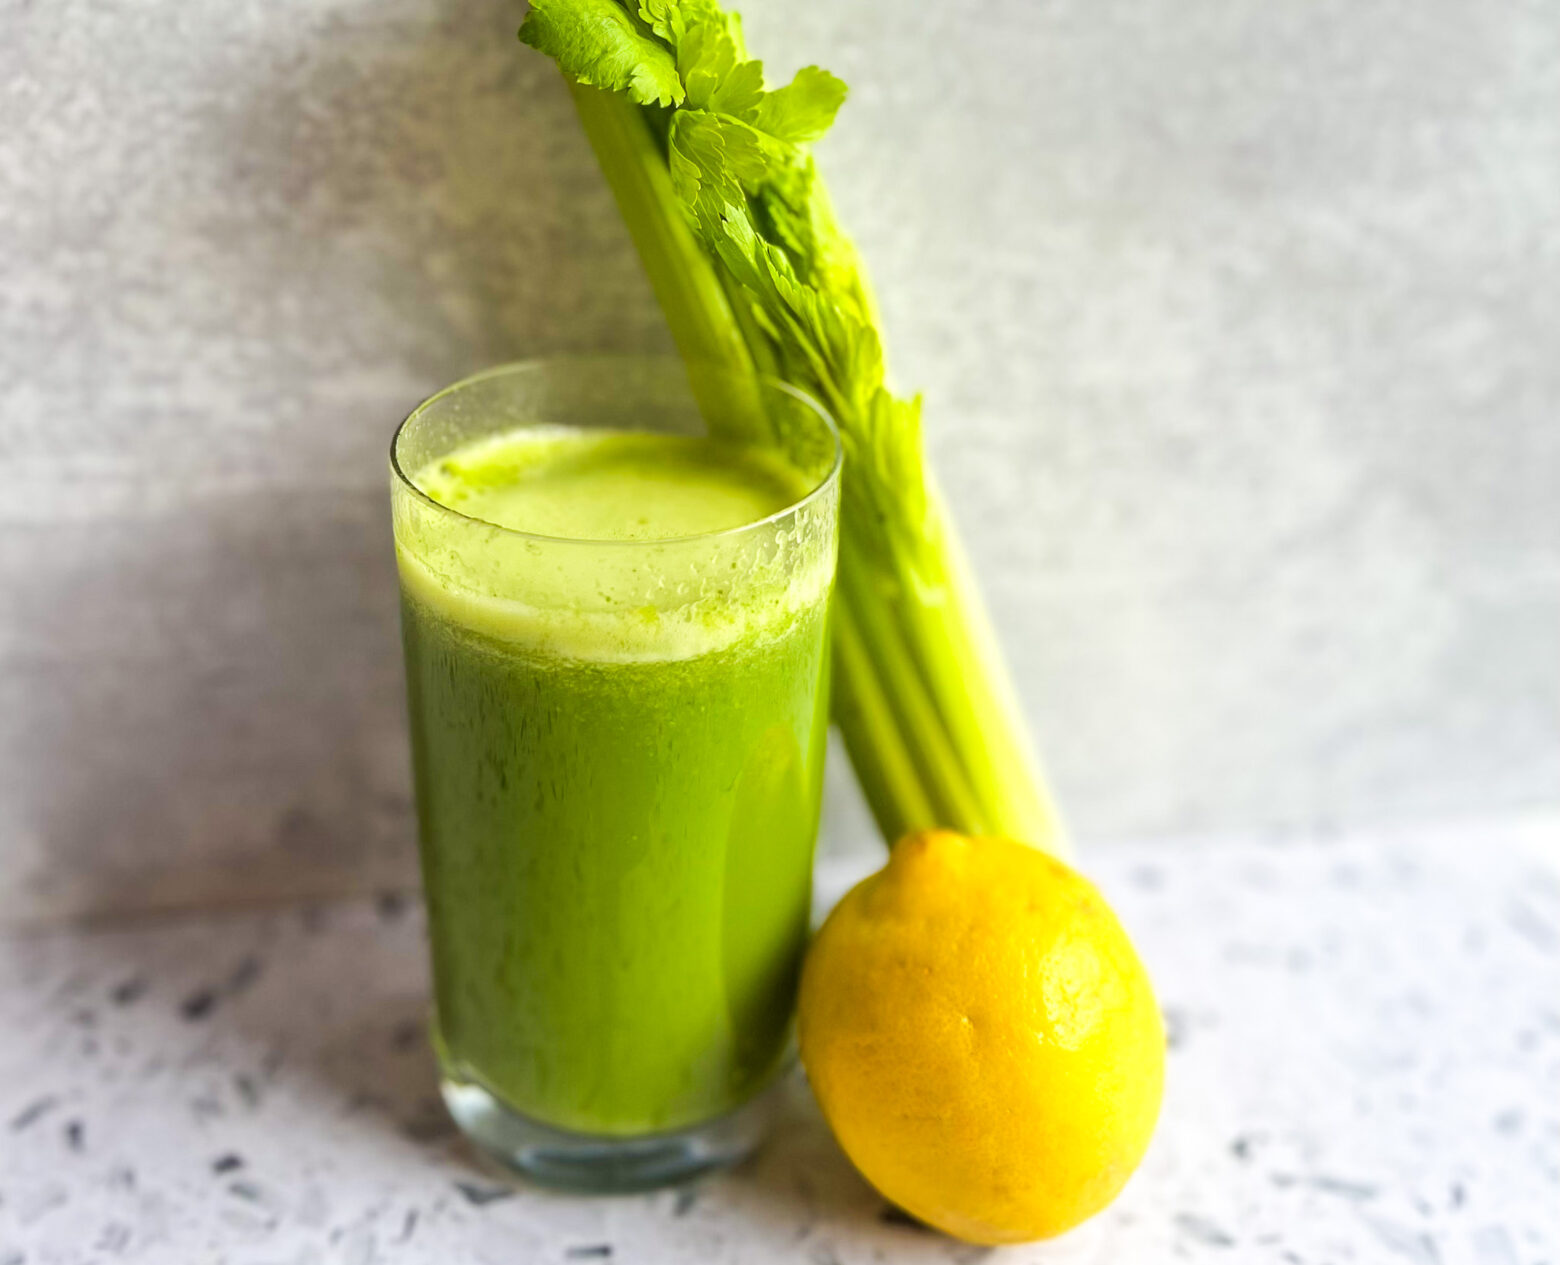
column 690, row 292
column 721, row 198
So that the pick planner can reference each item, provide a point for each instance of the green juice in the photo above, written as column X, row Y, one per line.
column 618, row 723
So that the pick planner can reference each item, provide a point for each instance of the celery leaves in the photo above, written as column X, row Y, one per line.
column 804, row 109
column 597, row 42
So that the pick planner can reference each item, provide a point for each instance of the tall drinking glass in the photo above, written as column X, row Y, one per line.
column 618, row 748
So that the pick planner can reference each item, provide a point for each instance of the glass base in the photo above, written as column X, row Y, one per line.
column 598, row 1164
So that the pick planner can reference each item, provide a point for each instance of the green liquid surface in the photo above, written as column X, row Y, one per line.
column 611, row 485
column 617, row 848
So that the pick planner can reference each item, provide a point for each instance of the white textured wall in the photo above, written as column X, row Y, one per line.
column 1239, row 322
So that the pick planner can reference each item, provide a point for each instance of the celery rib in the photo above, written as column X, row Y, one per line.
column 921, row 694
column 880, row 758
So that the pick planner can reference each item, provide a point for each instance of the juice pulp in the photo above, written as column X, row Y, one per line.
column 617, row 807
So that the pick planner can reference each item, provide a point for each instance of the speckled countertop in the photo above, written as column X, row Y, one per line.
column 1364, row 1066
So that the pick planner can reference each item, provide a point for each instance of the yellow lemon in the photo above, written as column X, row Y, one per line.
column 982, row 1038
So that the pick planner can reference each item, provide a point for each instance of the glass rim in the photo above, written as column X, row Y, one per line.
column 829, row 479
